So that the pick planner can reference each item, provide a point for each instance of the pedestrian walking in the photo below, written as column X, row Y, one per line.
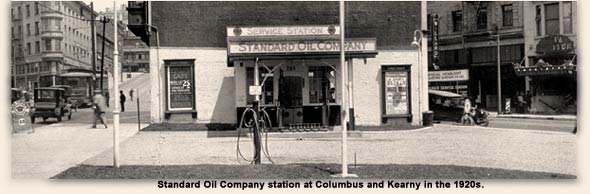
column 520, row 102
column 99, row 106
column 108, row 96
column 528, row 98
column 131, row 95
column 466, row 118
column 122, row 99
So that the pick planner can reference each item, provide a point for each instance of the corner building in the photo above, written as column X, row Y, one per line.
column 202, row 57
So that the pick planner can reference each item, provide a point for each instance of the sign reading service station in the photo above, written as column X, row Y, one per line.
column 326, row 30
column 293, row 40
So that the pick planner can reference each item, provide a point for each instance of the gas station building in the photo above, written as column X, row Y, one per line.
column 202, row 58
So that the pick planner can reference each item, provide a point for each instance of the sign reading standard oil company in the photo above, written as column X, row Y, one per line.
column 293, row 39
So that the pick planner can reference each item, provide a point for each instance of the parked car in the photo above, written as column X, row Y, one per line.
column 50, row 102
column 448, row 106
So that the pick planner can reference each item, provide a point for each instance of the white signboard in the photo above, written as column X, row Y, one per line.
column 308, row 46
column 255, row 90
column 283, row 31
column 452, row 75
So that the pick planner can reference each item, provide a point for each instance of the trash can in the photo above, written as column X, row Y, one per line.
column 427, row 117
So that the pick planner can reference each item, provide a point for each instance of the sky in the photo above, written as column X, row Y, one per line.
column 101, row 5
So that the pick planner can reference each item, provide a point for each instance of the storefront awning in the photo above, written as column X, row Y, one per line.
column 78, row 74
column 546, row 70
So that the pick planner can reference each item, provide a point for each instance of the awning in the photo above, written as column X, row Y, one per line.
column 546, row 70
column 444, row 93
column 79, row 74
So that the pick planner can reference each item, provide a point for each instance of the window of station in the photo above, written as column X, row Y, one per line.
column 322, row 84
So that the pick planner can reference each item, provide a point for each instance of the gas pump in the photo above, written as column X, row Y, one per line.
column 259, row 122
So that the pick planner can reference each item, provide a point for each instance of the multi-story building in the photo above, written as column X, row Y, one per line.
column 203, row 56
column 48, row 38
column 136, row 56
column 464, row 47
column 550, row 29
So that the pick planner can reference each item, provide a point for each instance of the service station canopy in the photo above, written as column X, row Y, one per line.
column 322, row 41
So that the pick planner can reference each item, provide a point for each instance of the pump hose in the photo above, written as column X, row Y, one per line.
column 238, row 152
column 265, row 118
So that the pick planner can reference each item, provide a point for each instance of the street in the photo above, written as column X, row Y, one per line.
column 85, row 116
column 529, row 124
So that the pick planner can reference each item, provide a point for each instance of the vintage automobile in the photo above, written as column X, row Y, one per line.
column 51, row 102
column 448, row 106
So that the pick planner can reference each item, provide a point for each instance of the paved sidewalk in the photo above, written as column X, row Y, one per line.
column 57, row 147
column 442, row 144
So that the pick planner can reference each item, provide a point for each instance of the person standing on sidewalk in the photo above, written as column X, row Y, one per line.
column 99, row 106
column 122, row 99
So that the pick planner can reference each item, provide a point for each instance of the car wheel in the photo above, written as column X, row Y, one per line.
column 44, row 119
column 59, row 118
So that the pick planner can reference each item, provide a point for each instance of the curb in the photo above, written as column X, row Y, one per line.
column 570, row 118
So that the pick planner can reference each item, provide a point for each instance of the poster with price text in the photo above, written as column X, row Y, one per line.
column 180, row 87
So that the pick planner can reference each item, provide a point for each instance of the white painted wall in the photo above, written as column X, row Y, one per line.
column 214, row 83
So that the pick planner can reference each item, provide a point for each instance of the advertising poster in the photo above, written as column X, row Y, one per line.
column 396, row 93
column 180, row 84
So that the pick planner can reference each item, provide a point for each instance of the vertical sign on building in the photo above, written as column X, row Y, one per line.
column 435, row 55
column 396, row 91
column 180, row 85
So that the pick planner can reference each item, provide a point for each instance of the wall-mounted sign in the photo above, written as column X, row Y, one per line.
column 303, row 46
column 324, row 30
column 445, row 76
column 396, row 91
column 555, row 44
column 180, row 85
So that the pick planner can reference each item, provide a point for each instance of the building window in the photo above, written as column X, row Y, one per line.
column 321, row 85
column 36, row 28
column 28, row 48
column 19, row 12
column 507, row 15
column 36, row 8
column 28, row 10
column 37, row 47
column 48, row 45
column 28, row 29
column 12, row 13
column 457, row 21
column 538, row 20
column 567, row 18
column 482, row 18
column 20, row 31
column 552, row 19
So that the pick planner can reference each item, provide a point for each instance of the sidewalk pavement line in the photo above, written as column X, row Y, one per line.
column 509, row 129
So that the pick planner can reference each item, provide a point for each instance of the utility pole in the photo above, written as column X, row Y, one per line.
column 104, row 21
column 499, row 75
column 93, row 32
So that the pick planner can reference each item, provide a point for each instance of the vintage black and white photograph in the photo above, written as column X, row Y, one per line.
column 328, row 91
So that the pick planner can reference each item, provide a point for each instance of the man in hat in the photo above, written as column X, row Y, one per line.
column 99, row 106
